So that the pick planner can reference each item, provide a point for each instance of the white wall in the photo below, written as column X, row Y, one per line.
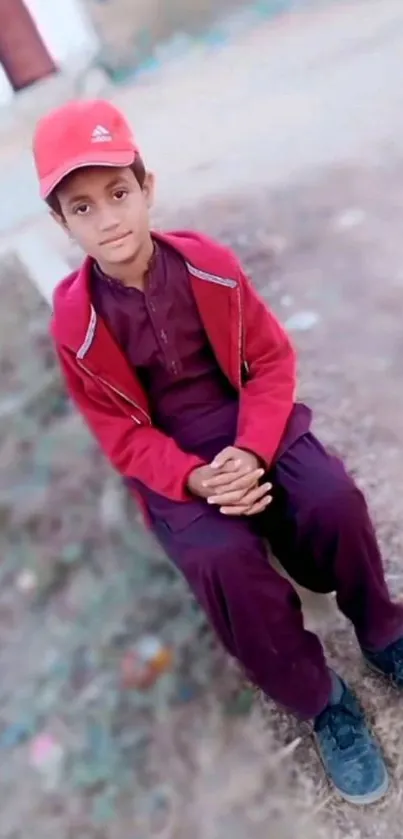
column 64, row 27
column 6, row 90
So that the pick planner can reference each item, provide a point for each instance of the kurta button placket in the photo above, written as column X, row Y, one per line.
column 163, row 338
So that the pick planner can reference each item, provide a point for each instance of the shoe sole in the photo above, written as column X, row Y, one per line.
column 357, row 800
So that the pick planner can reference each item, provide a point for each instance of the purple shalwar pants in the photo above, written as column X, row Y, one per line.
column 319, row 528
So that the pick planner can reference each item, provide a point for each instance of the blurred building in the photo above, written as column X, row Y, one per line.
column 130, row 29
column 39, row 38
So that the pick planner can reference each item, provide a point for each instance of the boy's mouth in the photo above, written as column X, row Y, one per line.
column 116, row 240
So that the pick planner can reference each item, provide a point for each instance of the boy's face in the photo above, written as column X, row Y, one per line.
column 107, row 212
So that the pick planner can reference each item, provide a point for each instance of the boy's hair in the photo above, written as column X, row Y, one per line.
column 139, row 172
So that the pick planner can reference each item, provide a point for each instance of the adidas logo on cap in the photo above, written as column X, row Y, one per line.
column 101, row 134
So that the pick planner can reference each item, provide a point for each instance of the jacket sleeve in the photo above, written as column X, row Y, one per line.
column 136, row 451
column 267, row 397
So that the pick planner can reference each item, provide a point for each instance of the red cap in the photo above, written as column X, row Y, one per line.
column 81, row 133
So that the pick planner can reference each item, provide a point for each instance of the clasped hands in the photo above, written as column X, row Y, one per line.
column 231, row 481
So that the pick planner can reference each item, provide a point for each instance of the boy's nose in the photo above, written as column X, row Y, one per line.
column 108, row 219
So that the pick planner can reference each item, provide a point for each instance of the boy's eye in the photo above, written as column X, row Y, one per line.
column 119, row 194
column 82, row 210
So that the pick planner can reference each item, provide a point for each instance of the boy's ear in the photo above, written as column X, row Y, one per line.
column 149, row 189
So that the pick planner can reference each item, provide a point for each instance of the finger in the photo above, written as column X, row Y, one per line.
column 235, row 480
column 227, row 497
column 252, row 496
column 241, row 510
column 259, row 507
column 222, row 479
column 235, row 465
column 223, row 457
column 248, row 497
column 238, row 464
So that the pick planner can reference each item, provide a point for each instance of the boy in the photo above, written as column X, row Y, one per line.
column 188, row 382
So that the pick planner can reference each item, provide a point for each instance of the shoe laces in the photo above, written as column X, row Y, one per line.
column 342, row 725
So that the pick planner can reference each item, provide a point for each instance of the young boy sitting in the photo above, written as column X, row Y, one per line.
column 187, row 380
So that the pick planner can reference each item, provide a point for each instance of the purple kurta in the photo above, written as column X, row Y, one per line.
column 318, row 524
column 163, row 338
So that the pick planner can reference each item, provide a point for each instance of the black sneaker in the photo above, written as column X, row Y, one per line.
column 388, row 662
column 351, row 756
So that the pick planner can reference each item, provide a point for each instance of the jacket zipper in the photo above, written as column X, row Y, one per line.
column 243, row 364
column 119, row 393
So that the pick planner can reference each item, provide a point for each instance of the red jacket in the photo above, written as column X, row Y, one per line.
column 250, row 346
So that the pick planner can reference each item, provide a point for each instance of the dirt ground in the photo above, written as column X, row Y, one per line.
column 326, row 254
column 81, row 582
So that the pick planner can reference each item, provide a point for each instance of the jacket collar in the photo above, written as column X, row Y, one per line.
column 75, row 320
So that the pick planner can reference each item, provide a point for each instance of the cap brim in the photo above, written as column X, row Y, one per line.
column 98, row 157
